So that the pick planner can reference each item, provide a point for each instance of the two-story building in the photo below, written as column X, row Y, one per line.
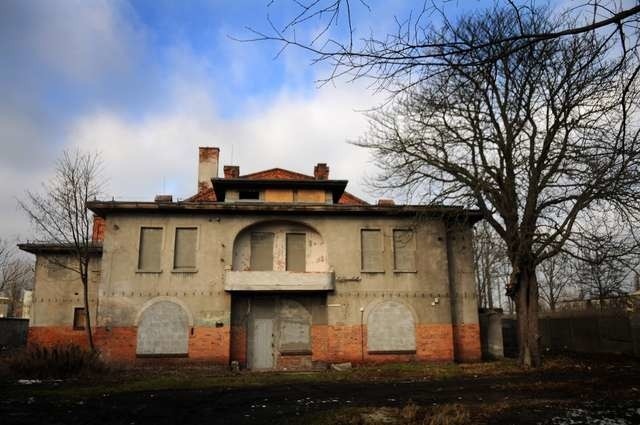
column 274, row 269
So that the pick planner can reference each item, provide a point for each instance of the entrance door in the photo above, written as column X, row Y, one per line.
column 261, row 355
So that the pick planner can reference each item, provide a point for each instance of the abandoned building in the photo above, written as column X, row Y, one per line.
column 274, row 269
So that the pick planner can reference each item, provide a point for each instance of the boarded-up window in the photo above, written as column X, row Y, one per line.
column 371, row 241
column 79, row 318
column 261, row 251
column 391, row 328
column 404, row 250
column 296, row 252
column 150, row 249
column 184, row 255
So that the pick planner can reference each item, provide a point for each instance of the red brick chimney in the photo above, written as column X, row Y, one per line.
column 231, row 171
column 321, row 171
column 207, row 166
column 98, row 229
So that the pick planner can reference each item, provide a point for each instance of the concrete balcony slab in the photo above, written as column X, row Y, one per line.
column 278, row 281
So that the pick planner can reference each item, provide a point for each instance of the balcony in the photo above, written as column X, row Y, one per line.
column 278, row 281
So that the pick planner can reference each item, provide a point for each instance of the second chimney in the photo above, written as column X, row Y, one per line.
column 207, row 166
column 231, row 171
column 321, row 171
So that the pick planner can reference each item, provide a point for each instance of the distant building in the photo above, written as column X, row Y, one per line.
column 274, row 269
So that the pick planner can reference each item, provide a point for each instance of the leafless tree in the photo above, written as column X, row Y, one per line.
column 411, row 54
column 536, row 139
column 20, row 278
column 489, row 257
column 60, row 216
column 607, row 258
column 16, row 275
column 557, row 275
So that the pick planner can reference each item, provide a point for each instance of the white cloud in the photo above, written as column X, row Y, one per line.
column 293, row 131
column 83, row 40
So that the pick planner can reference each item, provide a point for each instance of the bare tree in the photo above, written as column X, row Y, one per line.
column 557, row 276
column 489, row 257
column 19, row 277
column 60, row 215
column 536, row 139
column 607, row 259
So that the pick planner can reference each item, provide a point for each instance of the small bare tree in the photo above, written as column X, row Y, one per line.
column 606, row 261
column 557, row 275
column 60, row 215
column 16, row 274
column 490, row 258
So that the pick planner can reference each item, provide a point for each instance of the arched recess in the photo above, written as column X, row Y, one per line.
column 391, row 327
column 315, row 250
column 163, row 329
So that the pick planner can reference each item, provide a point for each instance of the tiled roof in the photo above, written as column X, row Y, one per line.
column 277, row 173
column 274, row 174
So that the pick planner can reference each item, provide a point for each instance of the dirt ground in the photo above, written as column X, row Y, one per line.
column 567, row 390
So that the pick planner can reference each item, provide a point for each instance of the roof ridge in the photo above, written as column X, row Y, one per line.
column 275, row 169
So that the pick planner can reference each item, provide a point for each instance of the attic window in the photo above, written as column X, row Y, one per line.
column 249, row 195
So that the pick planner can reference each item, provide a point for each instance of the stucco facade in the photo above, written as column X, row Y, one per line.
column 299, row 274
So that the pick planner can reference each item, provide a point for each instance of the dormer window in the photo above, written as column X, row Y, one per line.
column 249, row 195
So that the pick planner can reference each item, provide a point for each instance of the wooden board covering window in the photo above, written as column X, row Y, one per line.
column 79, row 318
column 261, row 251
column 296, row 252
column 371, row 243
column 404, row 250
column 150, row 248
column 184, row 256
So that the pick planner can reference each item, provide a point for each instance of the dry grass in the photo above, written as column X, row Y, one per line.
column 60, row 361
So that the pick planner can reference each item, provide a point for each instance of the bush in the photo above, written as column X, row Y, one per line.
column 59, row 361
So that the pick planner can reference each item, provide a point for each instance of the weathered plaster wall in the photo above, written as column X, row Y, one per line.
column 334, row 246
column 58, row 292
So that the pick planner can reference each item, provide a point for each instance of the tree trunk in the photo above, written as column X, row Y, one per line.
column 527, row 315
column 85, row 285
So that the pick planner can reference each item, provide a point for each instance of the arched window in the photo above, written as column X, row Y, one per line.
column 391, row 328
column 163, row 330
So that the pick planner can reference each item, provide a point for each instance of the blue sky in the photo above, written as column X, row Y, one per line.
column 146, row 82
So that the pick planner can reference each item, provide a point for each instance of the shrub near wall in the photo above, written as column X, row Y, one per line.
column 59, row 361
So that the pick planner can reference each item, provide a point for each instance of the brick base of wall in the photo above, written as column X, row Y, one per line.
column 329, row 343
column 239, row 345
column 466, row 342
column 348, row 343
column 118, row 344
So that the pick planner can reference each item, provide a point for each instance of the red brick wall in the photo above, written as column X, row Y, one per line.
column 52, row 335
column 342, row 343
column 117, row 344
column 210, row 344
column 336, row 343
column 98, row 229
column 294, row 362
column 239, row 344
column 466, row 342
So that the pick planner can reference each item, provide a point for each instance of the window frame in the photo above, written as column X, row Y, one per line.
column 162, row 242
column 251, row 257
column 195, row 252
column 286, row 251
column 382, row 251
column 76, row 327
